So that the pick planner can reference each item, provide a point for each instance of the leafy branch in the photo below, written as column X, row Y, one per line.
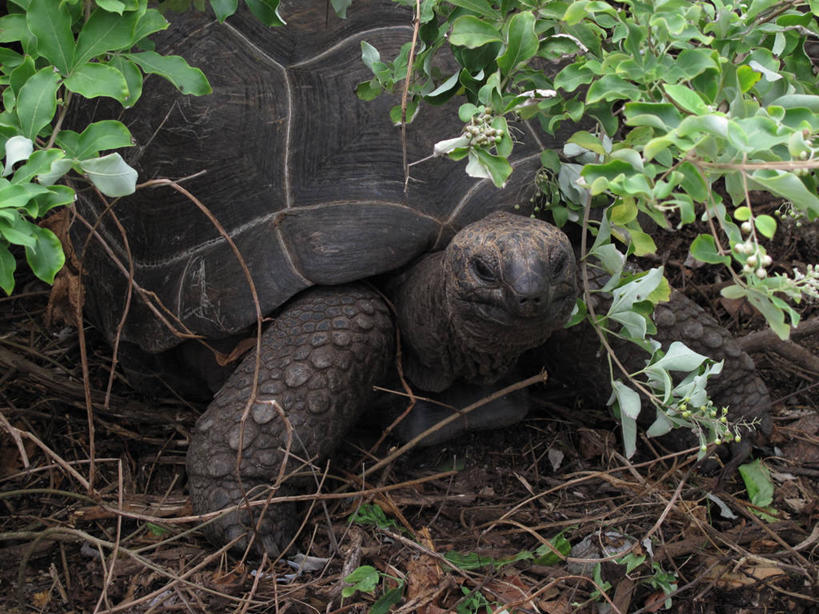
column 687, row 109
column 53, row 55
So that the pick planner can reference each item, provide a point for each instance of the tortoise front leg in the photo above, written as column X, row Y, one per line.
column 319, row 361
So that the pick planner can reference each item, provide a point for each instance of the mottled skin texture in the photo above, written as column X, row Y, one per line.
column 502, row 286
column 320, row 359
column 465, row 314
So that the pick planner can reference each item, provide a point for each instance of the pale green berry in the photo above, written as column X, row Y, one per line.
column 746, row 226
column 751, row 260
column 717, row 441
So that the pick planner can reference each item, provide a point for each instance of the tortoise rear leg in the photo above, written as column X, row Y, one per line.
column 319, row 361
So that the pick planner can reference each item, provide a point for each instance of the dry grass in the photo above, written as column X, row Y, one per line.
column 121, row 537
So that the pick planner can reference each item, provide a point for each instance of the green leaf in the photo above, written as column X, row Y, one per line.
column 587, row 140
column 368, row 90
column 611, row 87
column 133, row 78
column 102, row 135
column 7, row 266
column 641, row 242
column 733, row 292
column 18, row 230
column 742, row 214
column 370, row 56
column 747, row 78
column 50, row 22
column 114, row 6
column 629, row 404
column 679, row 357
column 789, row 186
column 468, row 560
column 59, row 168
column 22, row 73
column 482, row 7
column 39, row 162
column 58, row 195
column 758, row 483
column 471, row 32
column 175, row 69
column 662, row 115
column 37, row 102
column 485, row 165
column 18, row 148
column 111, row 175
column 17, row 195
column 13, row 28
column 46, row 256
column 522, row 43
column 150, row 22
column 575, row 12
column 383, row 604
column 93, row 80
column 573, row 76
column 224, row 8
column 704, row 249
column 547, row 556
column 266, row 11
column 772, row 314
column 104, row 32
column 693, row 182
column 688, row 99
column 766, row 225
column 364, row 579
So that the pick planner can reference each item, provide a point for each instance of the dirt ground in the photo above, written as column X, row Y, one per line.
column 465, row 528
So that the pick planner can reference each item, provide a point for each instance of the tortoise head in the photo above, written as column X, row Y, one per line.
column 510, row 281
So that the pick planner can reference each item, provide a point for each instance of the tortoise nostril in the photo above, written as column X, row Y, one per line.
column 531, row 300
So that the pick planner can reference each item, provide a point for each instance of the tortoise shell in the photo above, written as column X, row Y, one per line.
column 306, row 179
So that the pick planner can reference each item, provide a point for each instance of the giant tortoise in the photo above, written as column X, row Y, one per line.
column 308, row 183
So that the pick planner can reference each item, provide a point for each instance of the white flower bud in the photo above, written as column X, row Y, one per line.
column 751, row 260
column 746, row 226
column 767, row 260
column 761, row 273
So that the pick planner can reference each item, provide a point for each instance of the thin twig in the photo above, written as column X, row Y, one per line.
column 416, row 25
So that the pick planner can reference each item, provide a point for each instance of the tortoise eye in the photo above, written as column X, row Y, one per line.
column 482, row 271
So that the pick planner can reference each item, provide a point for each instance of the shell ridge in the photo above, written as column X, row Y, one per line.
column 346, row 41
column 482, row 183
column 238, row 230
column 288, row 125
column 289, row 257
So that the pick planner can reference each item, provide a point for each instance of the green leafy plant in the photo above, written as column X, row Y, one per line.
column 55, row 53
column 687, row 108
column 760, row 488
column 366, row 579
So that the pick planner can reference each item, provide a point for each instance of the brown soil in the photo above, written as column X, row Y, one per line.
column 126, row 542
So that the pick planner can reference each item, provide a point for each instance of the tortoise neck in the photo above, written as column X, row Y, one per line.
column 437, row 345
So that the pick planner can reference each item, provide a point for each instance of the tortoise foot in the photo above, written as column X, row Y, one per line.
column 319, row 361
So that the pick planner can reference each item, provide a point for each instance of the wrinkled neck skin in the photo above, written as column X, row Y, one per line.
column 440, row 343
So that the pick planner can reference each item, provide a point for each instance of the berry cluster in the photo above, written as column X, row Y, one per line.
column 480, row 132
column 808, row 282
column 788, row 213
column 712, row 419
column 756, row 260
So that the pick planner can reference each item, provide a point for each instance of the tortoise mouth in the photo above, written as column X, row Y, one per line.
column 553, row 314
